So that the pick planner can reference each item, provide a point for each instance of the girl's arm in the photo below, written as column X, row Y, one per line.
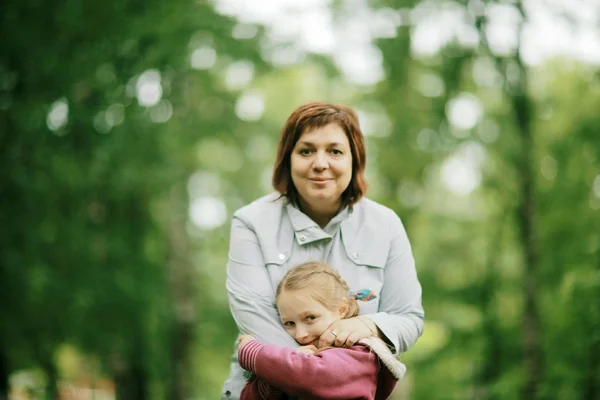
column 259, row 389
column 330, row 374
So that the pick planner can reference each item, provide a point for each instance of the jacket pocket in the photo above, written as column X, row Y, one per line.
column 277, row 263
column 368, row 256
column 369, row 252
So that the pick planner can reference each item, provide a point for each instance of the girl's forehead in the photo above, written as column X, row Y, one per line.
column 298, row 296
column 298, row 302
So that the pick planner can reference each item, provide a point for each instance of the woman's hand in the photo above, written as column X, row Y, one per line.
column 308, row 349
column 244, row 338
column 346, row 332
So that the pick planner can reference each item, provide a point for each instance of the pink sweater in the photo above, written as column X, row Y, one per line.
column 335, row 373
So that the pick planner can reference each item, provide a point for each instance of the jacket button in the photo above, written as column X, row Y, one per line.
column 281, row 256
column 355, row 256
column 302, row 238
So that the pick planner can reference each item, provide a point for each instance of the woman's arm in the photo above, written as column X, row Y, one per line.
column 399, row 321
column 401, row 316
column 333, row 373
column 251, row 295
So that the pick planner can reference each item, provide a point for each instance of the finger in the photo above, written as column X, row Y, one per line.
column 341, row 338
column 352, row 339
column 327, row 338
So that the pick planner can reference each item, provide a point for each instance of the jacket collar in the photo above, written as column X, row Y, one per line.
column 307, row 231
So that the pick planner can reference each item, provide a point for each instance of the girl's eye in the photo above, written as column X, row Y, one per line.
column 336, row 152
column 311, row 318
column 289, row 324
column 304, row 152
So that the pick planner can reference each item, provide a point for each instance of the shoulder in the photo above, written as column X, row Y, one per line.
column 376, row 216
column 373, row 209
column 268, row 206
column 369, row 232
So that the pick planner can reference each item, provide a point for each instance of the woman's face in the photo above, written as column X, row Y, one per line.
column 303, row 317
column 321, row 167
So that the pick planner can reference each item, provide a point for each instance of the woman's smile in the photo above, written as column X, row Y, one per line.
column 320, row 180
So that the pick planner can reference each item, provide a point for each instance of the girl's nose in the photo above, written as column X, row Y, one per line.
column 301, row 335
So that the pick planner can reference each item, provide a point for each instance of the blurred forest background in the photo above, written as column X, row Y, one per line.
column 131, row 130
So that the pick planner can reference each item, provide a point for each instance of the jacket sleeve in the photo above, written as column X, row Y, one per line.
column 330, row 374
column 251, row 295
column 259, row 389
column 401, row 315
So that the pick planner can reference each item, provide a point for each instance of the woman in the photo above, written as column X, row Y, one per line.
column 318, row 213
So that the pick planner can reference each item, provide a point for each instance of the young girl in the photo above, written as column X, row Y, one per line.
column 309, row 298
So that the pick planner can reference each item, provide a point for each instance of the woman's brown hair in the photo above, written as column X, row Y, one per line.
column 311, row 116
column 325, row 284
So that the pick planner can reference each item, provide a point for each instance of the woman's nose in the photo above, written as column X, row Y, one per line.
column 320, row 161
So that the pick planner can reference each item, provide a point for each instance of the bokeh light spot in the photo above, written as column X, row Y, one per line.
column 239, row 74
column 203, row 58
column 250, row 106
column 208, row 212
column 58, row 115
column 464, row 111
column 148, row 88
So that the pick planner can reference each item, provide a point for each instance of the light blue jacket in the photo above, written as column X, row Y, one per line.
column 367, row 244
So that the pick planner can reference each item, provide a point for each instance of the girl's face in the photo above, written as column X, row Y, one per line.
column 304, row 318
column 321, row 166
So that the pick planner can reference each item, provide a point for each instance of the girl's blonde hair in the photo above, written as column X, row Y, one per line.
column 325, row 284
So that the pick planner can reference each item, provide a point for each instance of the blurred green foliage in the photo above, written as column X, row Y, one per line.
column 124, row 149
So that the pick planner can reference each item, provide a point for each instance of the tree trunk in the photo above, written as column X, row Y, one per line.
column 131, row 384
column 516, row 88
column 4, row 373
column 526, row 213
column 182, row 287
column 521, row 106
column 491, row 360
column 591, row 383
column 52, row 376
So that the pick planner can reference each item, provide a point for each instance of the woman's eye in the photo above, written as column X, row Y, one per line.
column 336, row 152
column 304, row 152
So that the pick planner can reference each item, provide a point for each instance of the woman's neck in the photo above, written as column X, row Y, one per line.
column 321, row 215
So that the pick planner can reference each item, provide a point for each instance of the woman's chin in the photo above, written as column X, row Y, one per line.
column 320, row 200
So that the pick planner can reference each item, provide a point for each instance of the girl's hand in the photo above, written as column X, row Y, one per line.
column 308, row 349
column 346, row 332
column 244, row 338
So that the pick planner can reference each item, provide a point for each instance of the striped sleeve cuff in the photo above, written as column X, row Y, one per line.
column 247, row 354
